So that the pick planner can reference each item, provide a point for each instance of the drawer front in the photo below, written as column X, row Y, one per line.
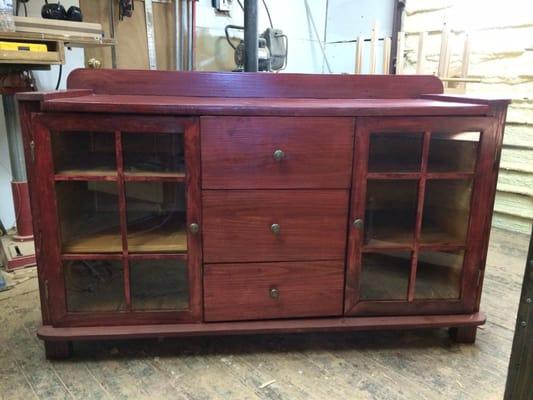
column 274, row 225
column 273, row 290
column 273, row 152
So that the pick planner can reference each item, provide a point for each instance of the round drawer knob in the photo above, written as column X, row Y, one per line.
column 194, row 228
column 358, row 224
column 275, row 228
column 274, row 293
column 278, row 155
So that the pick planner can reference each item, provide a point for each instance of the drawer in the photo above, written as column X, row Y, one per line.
column 273, row 290
column 274, row 152
column 274, row 225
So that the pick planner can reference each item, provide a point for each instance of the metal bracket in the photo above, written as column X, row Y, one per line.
column 150, row 34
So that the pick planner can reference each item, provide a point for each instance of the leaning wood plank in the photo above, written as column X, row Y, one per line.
column 373, row 45
column 421, row 52
column 444, row 51
column 359, row 55
column 399, row 53
column 386, row 55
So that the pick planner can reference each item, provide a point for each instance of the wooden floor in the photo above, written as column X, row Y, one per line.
column 374, row 365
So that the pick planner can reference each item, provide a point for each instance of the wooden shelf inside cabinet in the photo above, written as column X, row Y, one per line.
column 164, row 241
column 85, row 175
column 103, row 242
column 156, row 241
column 143, row 176
column 418, row 175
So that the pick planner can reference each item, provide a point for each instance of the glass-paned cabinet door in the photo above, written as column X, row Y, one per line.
column 125, row 200
column 411, row 213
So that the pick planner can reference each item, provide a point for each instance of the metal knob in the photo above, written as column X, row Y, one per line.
column 275, row 228
column 358, row 224
column 94, row 63
column 194, row 228
column 278, row 155
column 274, row 293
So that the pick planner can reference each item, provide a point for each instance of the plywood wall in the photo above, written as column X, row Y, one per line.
column 502, row 59
column 130, row 33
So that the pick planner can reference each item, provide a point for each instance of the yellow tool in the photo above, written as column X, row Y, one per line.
column 20, row 46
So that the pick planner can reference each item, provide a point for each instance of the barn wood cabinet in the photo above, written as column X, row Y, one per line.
column 170, row 204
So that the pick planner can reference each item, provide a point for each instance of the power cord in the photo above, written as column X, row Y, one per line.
column 59, row 76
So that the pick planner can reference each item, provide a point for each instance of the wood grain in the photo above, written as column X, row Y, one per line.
column 189, row 105
column 237, row 225
column 249, row 84
column 237, row 152
column 235, row 292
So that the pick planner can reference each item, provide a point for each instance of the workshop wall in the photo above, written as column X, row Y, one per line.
column 502, row 56
column 338, row 23
column 45, row 80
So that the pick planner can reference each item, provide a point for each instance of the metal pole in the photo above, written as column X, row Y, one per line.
column 251, row 41
column 177, row 33
column 184, row 35
column 112, row 33
column 189, row 34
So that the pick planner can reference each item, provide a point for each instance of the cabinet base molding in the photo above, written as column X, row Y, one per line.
column 51, row 334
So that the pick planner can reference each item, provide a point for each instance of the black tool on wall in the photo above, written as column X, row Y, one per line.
column 57, row 11
column 265, row 52
column 23, row 3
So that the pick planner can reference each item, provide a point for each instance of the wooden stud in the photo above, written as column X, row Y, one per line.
column 444, row 53
column 421, row 52
column 373, row 48
column 359, row 55
column 465, row 62
column 386, row 55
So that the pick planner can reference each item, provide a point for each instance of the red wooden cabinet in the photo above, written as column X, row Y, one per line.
column 294, row 203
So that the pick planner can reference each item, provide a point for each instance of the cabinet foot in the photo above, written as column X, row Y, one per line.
column 463, row 334
column 57, row 350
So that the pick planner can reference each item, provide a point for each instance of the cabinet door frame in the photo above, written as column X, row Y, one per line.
column 51, row 259
column 480, row 215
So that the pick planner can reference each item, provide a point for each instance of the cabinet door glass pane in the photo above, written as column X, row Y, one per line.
column 156, row 216
column 88, row 217
column 84, row 153
column 385, row 275
column 390, row 211
column 453, row 152
column 395, row 152
column 156, row 153
column 446, row 211
column 159, row 285
column 94, row 285
column 438, row 275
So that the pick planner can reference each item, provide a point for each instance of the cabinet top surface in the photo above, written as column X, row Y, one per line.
column 260, row 106
column 222, row 93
